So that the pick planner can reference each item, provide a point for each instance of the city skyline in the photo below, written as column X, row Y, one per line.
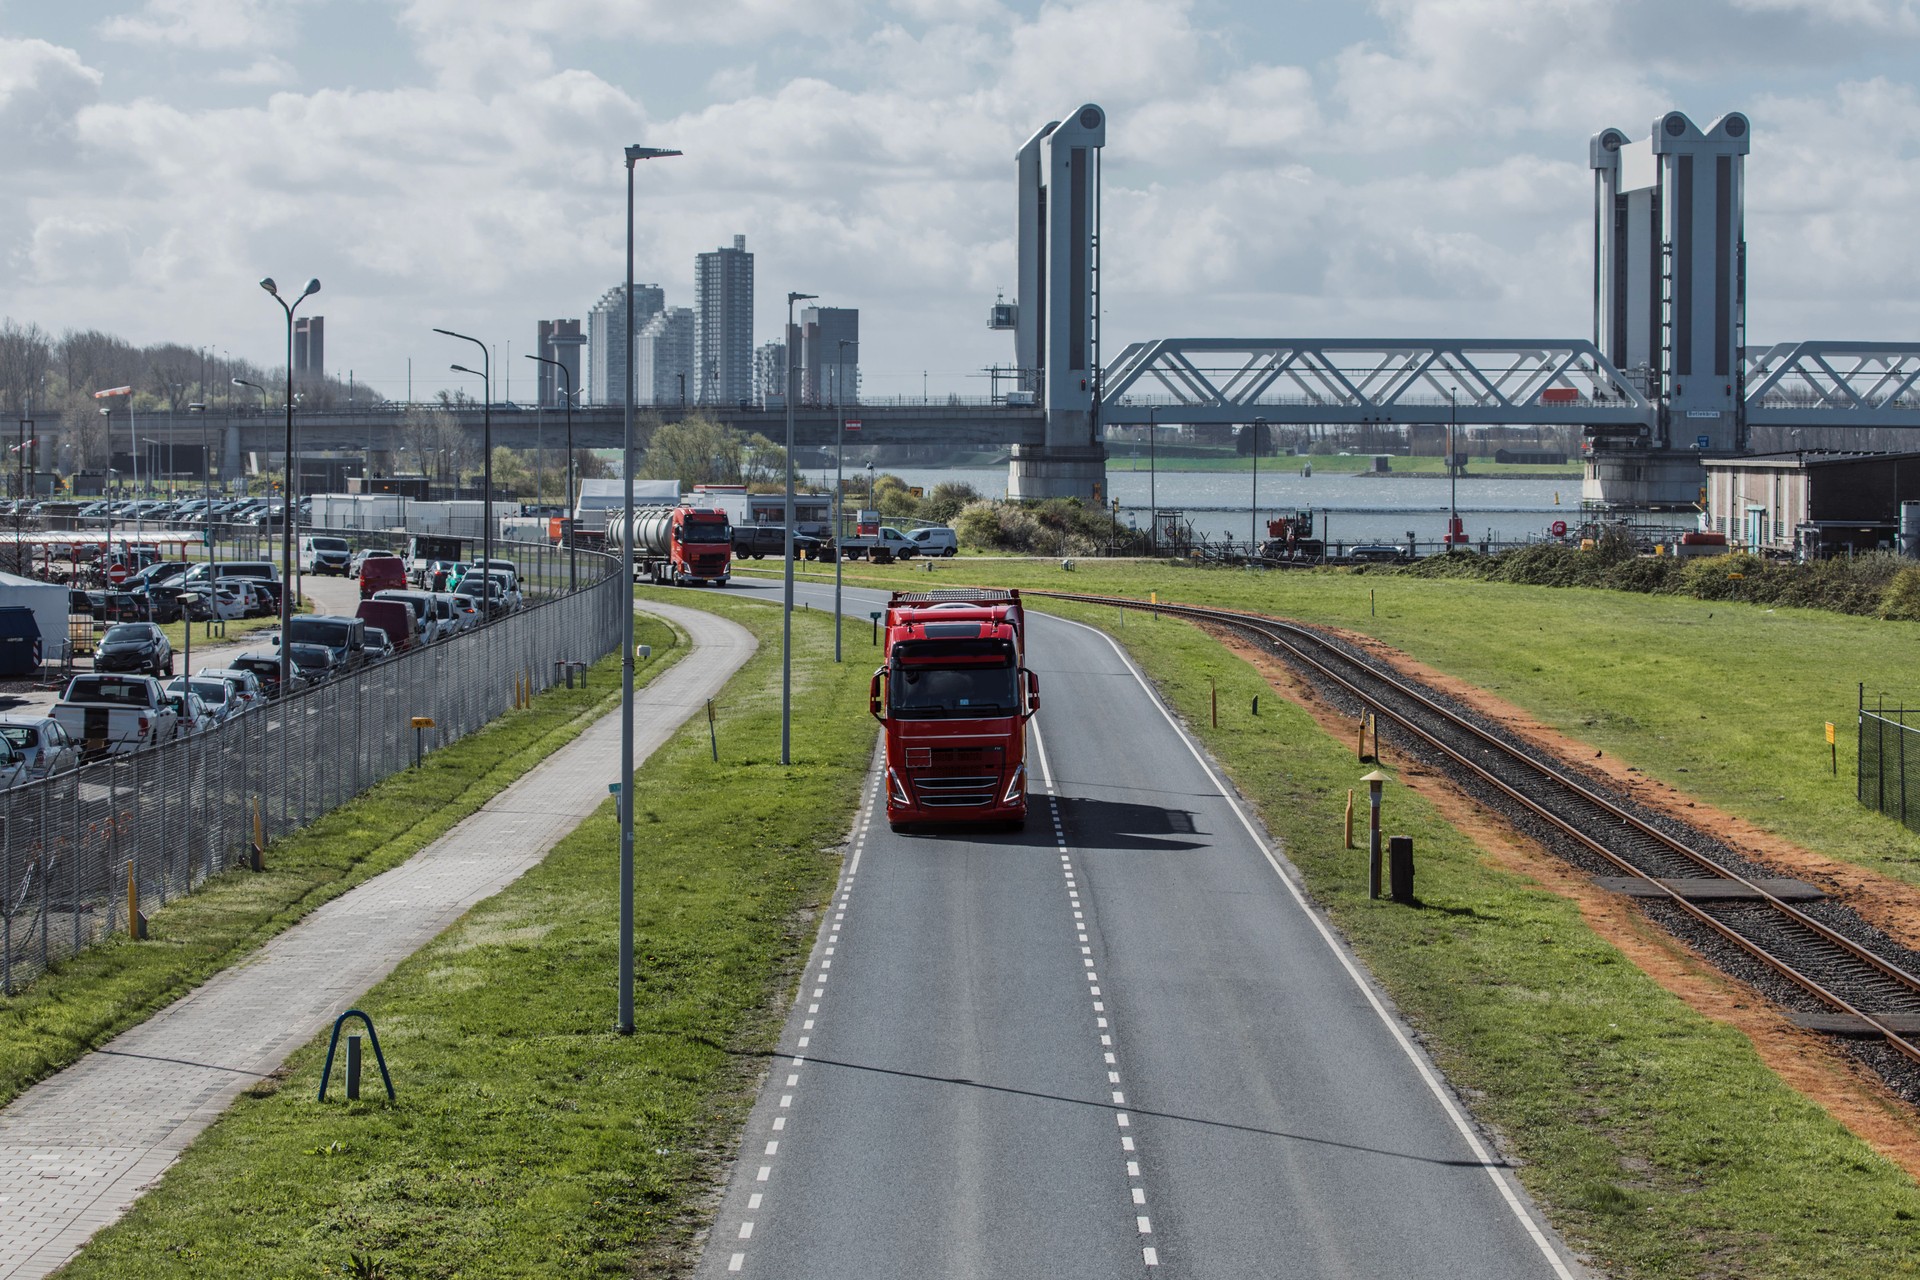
column 1397, row 168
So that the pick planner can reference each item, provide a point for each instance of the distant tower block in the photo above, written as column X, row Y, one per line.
column 310, row 350
column 1056, row 326
column 1670, row 272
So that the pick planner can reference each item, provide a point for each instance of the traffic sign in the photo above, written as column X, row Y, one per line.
column 1559, row 528
column 853, row 424
column 116, row 573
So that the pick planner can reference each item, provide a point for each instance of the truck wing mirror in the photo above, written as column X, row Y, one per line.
column 1033, row 693
column 873, row 696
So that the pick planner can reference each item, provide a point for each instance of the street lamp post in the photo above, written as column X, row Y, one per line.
column 286, row 494
column 485, row 374
column 1253, row 528
column 869, row 485
column 1153, row 479
column 1453, row 472
column 566, row 394
column 634, row 154
column 786, row 627
column 839, row 451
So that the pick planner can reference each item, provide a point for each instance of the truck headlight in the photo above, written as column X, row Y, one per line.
column 897, row 789
column 1017, row 786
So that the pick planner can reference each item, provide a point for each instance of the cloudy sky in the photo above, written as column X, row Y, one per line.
column 1273, row 167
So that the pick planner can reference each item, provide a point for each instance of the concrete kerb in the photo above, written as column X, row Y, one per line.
column 70, row 1161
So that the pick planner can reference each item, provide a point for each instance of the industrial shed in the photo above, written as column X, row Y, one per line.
column 1811, row 503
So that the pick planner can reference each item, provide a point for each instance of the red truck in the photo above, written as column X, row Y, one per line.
column 680, row 545
column 954, row 699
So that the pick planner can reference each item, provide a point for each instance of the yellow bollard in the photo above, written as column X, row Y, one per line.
column 1349, row 817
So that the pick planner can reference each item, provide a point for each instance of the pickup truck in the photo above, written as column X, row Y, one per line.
column 115, row 714
column 883, row 546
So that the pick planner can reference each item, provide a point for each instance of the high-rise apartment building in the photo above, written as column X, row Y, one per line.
column 310, row 350
column 828, row 340
column 608, row 344
column 663, row 359
column 769, row 372
column 559, row 340
column 723, row 324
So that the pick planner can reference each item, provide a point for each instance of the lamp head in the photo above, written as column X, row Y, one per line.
column 800, row 297
column 266, row 282
column 313, row 286
column 460, row 368
column 648, row 153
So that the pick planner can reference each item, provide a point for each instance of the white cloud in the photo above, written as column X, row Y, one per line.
column 205, row 24
column 261, row 71
column 43, row 88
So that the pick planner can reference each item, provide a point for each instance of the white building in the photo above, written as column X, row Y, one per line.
column 663, row 358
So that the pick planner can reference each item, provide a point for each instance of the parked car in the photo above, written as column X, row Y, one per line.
column 246, row 594
column 246, row 685
column 1378, row 553
column 265, row 669
column 343, row 637
column 115, row 714
column 324, row 553
column 44, row 745
column 377, row 647
column 313, row 663
column 359, row 559
column 393, row 617
column 219, row 696
column 935, row 540
column 434, row 619
column 134, row 646
column 382, row 573
column 191, row 714
column 466, row 614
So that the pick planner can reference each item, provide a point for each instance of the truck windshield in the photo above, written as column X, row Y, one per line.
column 691, row 532
column 953, row 680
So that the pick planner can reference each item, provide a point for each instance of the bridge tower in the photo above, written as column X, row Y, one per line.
column 1057, row 320
column 1669, row 305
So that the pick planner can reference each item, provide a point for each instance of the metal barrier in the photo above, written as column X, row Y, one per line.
column 1889, row 748
column 193, row 808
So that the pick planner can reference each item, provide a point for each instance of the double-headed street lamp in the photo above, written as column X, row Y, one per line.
column 485, row 374
column 634, row 155
column 1259, row 429
column 566, row 394
column 786, row 623
column 839, row 450
column 286, row 493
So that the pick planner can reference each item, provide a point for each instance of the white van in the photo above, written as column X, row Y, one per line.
column 320, row 553
column 935, row 540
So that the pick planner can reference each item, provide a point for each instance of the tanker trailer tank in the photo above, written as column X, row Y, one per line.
column 675, row 545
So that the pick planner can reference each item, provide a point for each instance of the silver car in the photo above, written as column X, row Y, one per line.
column 42, row 743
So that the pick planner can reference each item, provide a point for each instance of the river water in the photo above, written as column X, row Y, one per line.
column 1348, row 508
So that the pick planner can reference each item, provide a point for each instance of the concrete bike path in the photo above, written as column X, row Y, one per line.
column 77, row 1149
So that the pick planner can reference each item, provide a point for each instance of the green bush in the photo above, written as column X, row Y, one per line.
column 1901, row 600
column 1054, row 527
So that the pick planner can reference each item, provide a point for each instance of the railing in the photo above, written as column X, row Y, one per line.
column 170, row 817
column 1889, row 749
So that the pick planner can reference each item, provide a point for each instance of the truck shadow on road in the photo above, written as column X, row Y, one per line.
column 1092, row 824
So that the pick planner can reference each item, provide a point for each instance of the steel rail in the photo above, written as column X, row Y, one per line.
column 1297, row 639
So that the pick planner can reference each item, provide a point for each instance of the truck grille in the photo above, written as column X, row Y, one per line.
column 955, row 793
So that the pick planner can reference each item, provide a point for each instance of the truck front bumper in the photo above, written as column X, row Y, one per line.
column 927, row 795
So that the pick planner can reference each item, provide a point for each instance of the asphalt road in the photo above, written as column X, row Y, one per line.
column 1116, row 1043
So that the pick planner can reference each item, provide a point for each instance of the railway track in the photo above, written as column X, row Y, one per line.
column 1764, row 919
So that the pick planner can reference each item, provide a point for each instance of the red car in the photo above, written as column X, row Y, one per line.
column 382, row 573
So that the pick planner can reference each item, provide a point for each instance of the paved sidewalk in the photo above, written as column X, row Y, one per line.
column 77, row 1149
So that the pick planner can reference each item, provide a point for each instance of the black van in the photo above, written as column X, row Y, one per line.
column 346, row 637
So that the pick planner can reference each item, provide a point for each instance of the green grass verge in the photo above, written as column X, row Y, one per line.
column 92, row 997
column 527, row 1140
column 1658, row 1140
column 1726, row 702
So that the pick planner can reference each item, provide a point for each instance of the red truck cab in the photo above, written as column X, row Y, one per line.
column 954, row 699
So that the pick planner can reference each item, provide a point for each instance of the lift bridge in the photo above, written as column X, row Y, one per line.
column 1666, row 380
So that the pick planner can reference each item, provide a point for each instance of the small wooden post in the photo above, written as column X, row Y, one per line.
column 1349, row 825
column 1216, row 701
column 1360, row 747
column 1833, row 749
column 133, row 903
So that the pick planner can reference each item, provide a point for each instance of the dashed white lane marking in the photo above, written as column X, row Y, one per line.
column 1136, row 1193
column 842, row 896
column 1428, row 1076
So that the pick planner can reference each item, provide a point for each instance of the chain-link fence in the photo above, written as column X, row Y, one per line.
column 169, row 817
column 1889, row 748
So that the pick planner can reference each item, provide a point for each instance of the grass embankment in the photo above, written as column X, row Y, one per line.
column 1724, row 701
column 527, row 1139
column 89, row 999
column 1658, row 1140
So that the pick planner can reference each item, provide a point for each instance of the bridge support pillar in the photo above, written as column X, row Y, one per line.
column 1645, row 478
column 1058, row 471
column 232, row 465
